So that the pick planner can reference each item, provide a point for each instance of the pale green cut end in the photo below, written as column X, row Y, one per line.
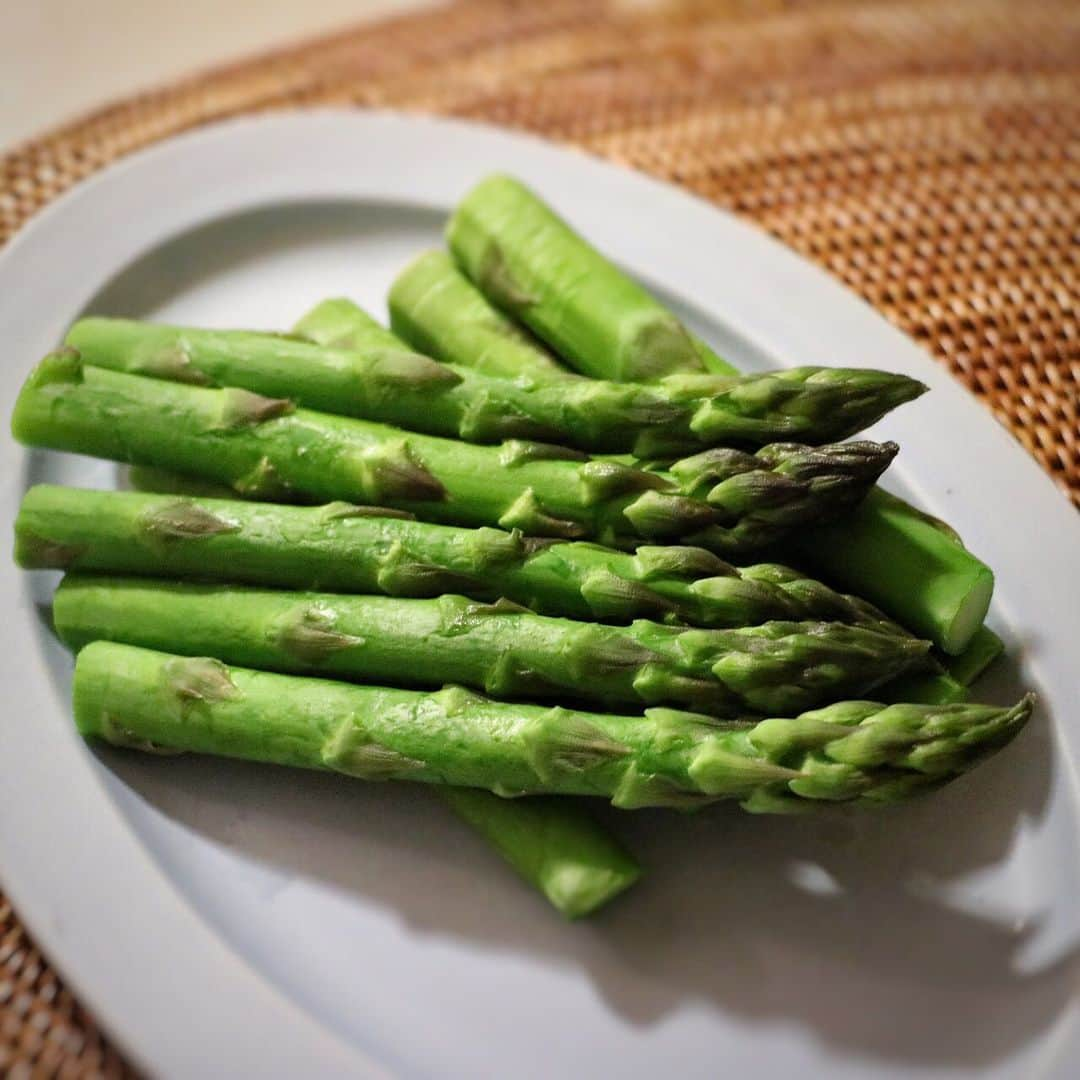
column 579, row 889
column 969, row 616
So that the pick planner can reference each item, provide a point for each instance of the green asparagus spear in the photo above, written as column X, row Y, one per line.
column 529, row 262
column 555, row 845
column 852, row 751
column 347, row 548
column 891, row 554
column 501, row 648
column 266, row 447
column 379, row 378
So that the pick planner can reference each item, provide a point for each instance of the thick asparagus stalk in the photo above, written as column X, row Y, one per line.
column 264, row 447
column 347, row 548
column 501, row 648
column 379, row 378
column 529, row 262
column 554, row 844
column 852, row 751
column 893, row 555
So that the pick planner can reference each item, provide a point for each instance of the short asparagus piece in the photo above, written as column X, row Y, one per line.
column 893, row 555
column 267, row 448
column 500, row 648
column 346, row 548
column 852, row 751
column 984, row 649
column 529, row 262
column 379, row 378
column 553, row 844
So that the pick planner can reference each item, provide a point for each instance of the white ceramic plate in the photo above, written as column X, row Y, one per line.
column 234, row 920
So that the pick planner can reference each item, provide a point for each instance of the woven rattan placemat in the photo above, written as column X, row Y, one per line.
column 927, row 154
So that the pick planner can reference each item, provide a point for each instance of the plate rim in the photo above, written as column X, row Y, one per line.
column 283, row 1028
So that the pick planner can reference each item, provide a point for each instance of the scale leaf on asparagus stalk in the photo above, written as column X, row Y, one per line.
column 271, row 450
column 501, row 648
column 854, row 751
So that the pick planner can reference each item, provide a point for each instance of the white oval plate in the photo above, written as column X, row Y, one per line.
column 235, row 920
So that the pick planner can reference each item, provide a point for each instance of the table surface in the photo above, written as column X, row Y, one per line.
column 926, row 154
column 59, row 63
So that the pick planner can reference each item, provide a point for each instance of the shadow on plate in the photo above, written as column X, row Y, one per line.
column 767, row 918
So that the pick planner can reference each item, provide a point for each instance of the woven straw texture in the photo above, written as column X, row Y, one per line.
column 926, row 154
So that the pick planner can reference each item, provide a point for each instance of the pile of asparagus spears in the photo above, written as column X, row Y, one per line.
column 535, row 540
